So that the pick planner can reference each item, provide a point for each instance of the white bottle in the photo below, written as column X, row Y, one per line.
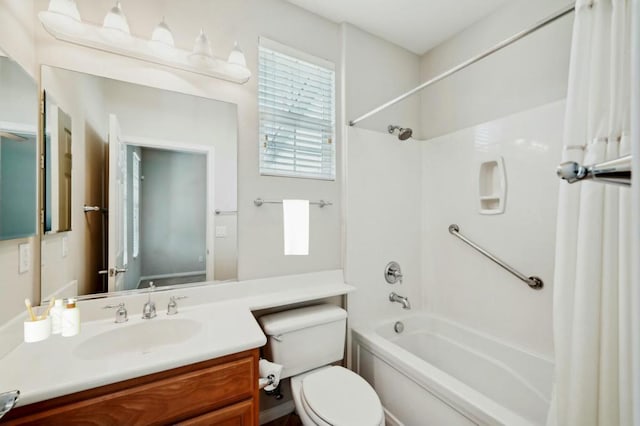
column 70, row 319
column 56, row 317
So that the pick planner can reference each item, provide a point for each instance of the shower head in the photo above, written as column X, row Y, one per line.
column 404, row 133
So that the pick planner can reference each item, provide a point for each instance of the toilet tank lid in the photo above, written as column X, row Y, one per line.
column 297, row 319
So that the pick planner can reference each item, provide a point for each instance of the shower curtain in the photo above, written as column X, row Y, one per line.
column 593, row 307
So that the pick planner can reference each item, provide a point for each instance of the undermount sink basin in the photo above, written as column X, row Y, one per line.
column 145, row 337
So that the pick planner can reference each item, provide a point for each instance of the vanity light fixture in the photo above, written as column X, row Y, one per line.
column 202, row 54
column 62, row 21
column 63, row 14
column 66, row 8
column 115, row 20
column 236, row 57
column 162, row 34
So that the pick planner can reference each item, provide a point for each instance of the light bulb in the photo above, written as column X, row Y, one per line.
column 236, row 56
column 66, row 8
column 115, row 20
column 202, row 54
column 162, row 34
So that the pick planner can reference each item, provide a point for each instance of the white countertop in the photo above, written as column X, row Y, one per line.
column 52, row 368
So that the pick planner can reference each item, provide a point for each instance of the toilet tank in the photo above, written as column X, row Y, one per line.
column 305, row 338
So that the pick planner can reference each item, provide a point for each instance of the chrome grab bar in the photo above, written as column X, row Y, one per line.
column 616, row 171
column 533, row 281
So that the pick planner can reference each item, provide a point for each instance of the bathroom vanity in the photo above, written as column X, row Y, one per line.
column 198, row 366
column 219, row 391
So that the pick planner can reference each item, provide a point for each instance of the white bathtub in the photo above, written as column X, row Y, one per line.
column 437, row 372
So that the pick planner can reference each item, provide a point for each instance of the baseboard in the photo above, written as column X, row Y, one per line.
column 174, row 275
column 276, row 412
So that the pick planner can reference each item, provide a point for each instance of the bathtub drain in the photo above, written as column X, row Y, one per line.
column 398, row 327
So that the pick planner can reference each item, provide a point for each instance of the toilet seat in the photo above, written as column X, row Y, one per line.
column 335, row 396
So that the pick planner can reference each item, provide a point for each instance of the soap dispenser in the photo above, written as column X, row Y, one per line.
column 70, row 319
column 56, row 317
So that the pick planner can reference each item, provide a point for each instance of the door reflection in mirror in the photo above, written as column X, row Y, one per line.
column 58, row 163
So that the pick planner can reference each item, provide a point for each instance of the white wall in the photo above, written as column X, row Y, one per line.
column 524, row 75
column 17, row 28
column 16, row 40
column 461, row 284
column 382, row 189
column 523, row 79
column 260, row 229
column 377, row 71
column 383, row 222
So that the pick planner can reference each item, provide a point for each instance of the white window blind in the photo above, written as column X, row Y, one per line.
column 296, row 99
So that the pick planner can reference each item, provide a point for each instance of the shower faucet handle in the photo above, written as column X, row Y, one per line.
column 393, row 273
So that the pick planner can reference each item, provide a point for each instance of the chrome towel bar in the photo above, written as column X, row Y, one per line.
column 225, row 212
column 616, row 171
column 259, row 201
column 533, row 281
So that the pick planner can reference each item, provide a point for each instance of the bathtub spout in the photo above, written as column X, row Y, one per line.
column 393, row 297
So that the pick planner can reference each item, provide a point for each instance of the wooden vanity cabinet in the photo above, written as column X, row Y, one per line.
column 222, row 391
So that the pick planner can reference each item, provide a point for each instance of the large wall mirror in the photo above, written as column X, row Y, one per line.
column 18, row 151
column 150, row 179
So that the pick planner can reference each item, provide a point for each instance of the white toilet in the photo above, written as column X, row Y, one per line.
column 306, row 341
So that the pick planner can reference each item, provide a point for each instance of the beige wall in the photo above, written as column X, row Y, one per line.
column 529, row 73
column 16, row 40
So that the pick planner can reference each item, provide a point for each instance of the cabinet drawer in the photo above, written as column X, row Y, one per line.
column 164, row 401
column 240, row 414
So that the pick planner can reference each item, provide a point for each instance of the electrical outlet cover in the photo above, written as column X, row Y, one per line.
column 65, row 246
column 24, row 263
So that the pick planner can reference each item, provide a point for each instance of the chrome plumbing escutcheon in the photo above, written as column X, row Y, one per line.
column 398, row 327
column 8, row 401
column 393, row 273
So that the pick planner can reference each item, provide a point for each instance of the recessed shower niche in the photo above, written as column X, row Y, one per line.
column 492, row 186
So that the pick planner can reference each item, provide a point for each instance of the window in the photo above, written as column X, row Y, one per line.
column 296, row 99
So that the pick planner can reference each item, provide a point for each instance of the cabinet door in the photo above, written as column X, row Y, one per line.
column 240, row 414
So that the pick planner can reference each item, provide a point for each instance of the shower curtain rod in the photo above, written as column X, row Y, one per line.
column 504, row 43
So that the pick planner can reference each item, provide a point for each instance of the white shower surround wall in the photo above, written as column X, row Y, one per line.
column 459, row 283
column 438, row 372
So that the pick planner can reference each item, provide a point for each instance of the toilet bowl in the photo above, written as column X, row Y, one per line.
column 335, row 396
column 307, row 341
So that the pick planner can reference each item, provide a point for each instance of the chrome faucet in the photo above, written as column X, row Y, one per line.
column 149, row 308
column 393, row 297
column 172, row 307
column 121, row 313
